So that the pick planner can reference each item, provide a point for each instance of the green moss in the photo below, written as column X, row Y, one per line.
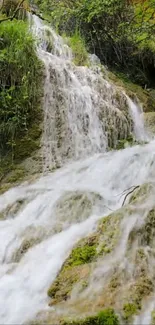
column 26, row 146
column 82, row 255
column 146, row 231
column 11, row 169
column 149, row 121
column 109, row 233
column 125, row 143
column 129, row 310
column 77, row 45
column 140, row 290
column 104, row 249
column 105, row 317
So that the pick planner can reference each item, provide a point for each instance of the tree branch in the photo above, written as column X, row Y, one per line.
column 38, row 15
column 14, row 14
column 129, row 193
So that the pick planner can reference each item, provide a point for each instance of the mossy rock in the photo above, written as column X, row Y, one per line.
column 141, row 289
column 12, row 210
column 147, row 232
column 63, row 285
column 28, row 144
column 149, row 122
column 84, row 253
column 76, row 206
column 133, row 90
column 77, row 267
column 24, row 247
column 12, row 169
column 142, row 192
column 129, row 309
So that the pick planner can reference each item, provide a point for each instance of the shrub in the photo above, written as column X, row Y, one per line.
column 20, row 82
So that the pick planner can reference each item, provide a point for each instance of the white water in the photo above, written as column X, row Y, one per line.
column 24, row 285
column 83, row 112
column 137, row 116
column 100, row 177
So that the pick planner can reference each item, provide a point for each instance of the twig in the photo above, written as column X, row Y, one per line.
column 129, row 193
column 120, row 194
column 38, row 15
column 108, row 208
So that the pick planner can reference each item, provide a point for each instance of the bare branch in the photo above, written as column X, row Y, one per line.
column 130, row 193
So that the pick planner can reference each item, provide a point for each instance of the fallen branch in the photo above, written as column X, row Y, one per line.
column 33, row 12
column 129, row 194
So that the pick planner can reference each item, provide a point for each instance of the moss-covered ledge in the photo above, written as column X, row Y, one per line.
column 77, row 267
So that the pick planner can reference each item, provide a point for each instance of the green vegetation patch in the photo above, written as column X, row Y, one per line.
column 20, row 85
column 105, row 317
column 77, row 44
column 84, row 253
column 124, row 42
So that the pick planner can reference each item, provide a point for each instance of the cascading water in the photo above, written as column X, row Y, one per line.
column 44, row 220
column 83, row 112
column 137, row 116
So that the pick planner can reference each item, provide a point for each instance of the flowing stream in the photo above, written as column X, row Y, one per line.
column 43, row 222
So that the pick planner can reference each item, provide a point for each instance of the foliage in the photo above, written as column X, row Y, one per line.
column 76, row 42
column 20, row 83
column 120, row 32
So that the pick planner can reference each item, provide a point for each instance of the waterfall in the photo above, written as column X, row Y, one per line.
column 43, row 220
column 137, row 116
column 84, row 114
